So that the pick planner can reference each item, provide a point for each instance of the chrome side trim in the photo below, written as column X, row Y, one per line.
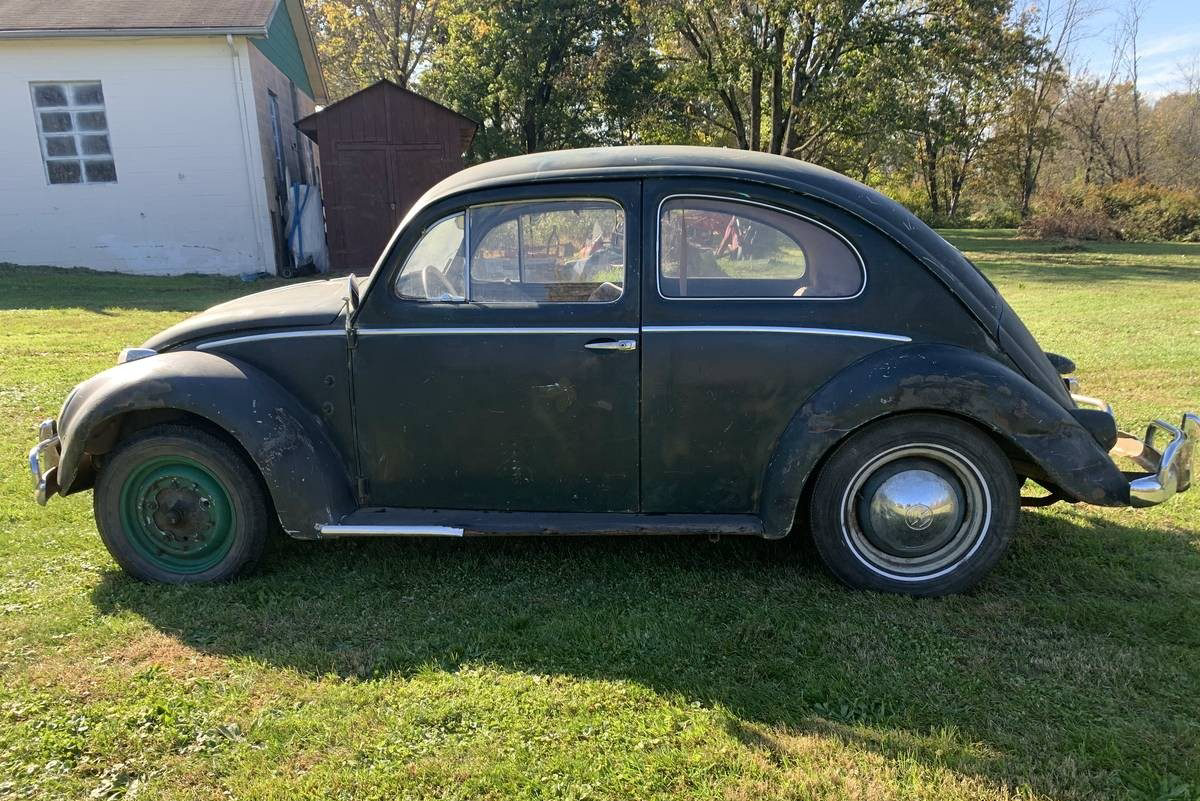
column 218, row 343
column 770, row 207
column 617, row 332
column 593, row 331
column 772, row 329
column 365, row 530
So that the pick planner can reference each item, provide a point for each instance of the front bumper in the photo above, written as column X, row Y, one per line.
column 43, row 462
column 1165, row 453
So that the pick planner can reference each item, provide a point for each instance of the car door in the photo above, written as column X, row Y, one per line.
column 752, row 298
column 496, row 364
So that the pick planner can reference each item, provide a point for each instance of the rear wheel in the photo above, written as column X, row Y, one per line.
column 917, row 504
column 178, row 505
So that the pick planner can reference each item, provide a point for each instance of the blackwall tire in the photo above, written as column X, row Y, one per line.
column 178, row 505
column 916, row 504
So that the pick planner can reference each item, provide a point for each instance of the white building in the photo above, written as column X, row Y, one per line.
column 152, row 136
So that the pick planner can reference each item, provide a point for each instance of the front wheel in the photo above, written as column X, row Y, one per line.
column 178, row 505
column 917, row 504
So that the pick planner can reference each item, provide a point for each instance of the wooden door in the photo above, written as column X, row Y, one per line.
column 413, row 169
column 361, row 212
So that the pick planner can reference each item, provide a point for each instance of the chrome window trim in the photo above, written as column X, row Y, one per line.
column 772, row 329
column 862, row 264
column 467, row 257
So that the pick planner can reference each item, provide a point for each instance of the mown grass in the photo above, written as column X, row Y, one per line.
column 629, row 668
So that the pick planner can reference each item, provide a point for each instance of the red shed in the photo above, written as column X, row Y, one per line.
column 381, row 148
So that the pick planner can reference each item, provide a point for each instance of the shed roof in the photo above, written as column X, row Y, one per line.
column 310, row 125
column 41, row 18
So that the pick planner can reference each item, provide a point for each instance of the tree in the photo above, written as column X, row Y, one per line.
column 1030, row 124
column 957, row 90
column 1131, row 22
column 363, row 41
column 774, row 68
column 543, row 74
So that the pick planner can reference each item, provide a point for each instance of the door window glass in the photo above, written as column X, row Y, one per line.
column 548, row 251
column 711, row 248
column 434, row 269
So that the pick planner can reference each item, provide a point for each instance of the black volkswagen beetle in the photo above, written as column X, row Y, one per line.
column 660, row 340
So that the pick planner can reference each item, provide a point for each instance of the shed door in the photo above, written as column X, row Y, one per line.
column 361, row 209
column 413, row 169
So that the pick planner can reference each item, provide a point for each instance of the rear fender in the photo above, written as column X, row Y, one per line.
column 942, row 379
column 300, row 466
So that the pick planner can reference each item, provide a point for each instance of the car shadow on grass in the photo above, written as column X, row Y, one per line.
column 1087, row 626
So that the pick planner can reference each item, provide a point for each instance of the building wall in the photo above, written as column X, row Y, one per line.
column 283, row 50
column 293, row 105
column 189, row 193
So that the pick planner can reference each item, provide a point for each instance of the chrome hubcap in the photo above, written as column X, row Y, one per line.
column 910, row 509
column 915, row 511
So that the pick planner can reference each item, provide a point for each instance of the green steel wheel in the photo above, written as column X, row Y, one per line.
column 176, row 504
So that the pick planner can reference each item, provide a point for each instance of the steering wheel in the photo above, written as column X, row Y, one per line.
column 431, row 277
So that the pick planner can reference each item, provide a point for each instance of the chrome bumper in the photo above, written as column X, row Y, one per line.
column 1166, row 453
column 43, row 462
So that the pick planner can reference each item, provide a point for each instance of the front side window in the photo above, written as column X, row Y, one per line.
column 712, row 248
column 545, row 251
column 551, row 251
column 72, row 128
column 435, row 268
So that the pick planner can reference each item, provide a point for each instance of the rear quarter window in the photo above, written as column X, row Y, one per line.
column 718, row 248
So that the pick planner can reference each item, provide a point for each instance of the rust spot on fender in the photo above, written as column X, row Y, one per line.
column 285, row 436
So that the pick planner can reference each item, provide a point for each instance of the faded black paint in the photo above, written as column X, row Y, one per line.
column 725, row 427
column 287, row 442
column 939, row 378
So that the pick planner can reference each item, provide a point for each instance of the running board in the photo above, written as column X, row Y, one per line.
column 391, row 522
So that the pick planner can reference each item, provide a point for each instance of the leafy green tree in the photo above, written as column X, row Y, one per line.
column 776, row 69
column 363, row 41
column 1030, row 128
column 543, row 74
column 957, row 90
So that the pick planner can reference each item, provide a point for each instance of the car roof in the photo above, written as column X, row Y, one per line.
column 644, row 161
column 641, row 160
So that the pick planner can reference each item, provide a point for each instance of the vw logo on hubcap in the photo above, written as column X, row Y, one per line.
column 918, row 516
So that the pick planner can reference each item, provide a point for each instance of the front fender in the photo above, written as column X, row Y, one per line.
column 946, row 379
column 299, row 464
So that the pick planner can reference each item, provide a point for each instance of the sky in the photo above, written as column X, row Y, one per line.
column 1169, row 39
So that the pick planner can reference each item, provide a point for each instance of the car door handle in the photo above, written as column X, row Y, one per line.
column 612, row 344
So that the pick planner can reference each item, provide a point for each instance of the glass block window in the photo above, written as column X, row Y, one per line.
column 73, row 130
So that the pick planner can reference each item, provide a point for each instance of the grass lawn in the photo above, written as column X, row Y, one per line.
column 627, row 668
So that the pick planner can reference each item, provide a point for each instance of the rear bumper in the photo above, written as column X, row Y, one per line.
column 43, row 462
column 1165, row 454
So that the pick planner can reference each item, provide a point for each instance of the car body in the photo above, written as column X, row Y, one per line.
column 629, row 340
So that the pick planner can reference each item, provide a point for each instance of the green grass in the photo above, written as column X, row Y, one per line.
column 626, row 668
